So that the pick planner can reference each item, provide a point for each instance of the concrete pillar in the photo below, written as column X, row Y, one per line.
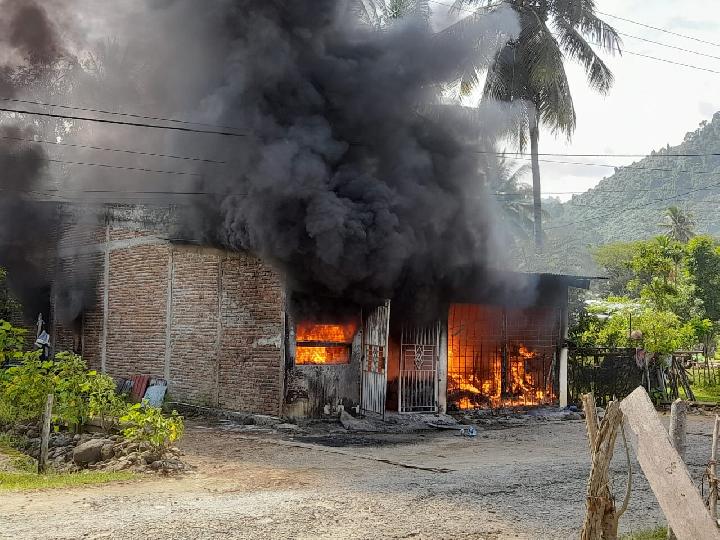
column 563, row 379
column 443, row 367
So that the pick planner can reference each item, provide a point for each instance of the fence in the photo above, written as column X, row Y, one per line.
column 608, row 373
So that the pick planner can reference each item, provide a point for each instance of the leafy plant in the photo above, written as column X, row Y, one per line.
column 145, row 424
column 12, row 341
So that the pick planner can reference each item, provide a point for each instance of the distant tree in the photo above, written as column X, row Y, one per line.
column 703, row 262
column 616, row 262
column 515, row 197
column 9, row 308
column 531, row 70
column 679, row 226
column 382, row 13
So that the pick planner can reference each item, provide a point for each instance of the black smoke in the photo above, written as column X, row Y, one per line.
column 354, row 178
column 31, row 46
column 353, row 175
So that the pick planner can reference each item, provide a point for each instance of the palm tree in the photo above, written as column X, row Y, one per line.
column 514, row 197
column 530, row 69
column 679, row 226
column 382, row 13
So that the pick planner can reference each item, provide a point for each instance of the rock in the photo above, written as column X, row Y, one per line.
column 149, row 456
column 156, row 465
column 115, row 438
column 58, row 440
column 89, row 451
column 76, row 438
column 107, row 452
column 288, row 427
column 356, row 424
column 133, row 457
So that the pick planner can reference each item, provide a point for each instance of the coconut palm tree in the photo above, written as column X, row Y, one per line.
column 530, row 69
column 382, row 13
column 678, row 225
column 514, row 196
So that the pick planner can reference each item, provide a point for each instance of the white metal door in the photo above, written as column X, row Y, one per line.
column 419, row 356
column 374, row 363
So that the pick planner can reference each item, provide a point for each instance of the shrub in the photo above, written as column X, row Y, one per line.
column 12, row 341
column 145, row 424
column 79, row 394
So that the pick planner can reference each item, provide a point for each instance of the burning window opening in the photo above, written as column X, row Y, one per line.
column 324, row 344
column 499, row 357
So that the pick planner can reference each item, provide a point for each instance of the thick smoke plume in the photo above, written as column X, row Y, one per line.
column 354, row 176
column 30, row 46
column 352, row 173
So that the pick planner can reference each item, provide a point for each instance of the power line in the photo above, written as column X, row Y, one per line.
column 104, row 111
column 551, row 154
column 625, row 51
column 106, row 165
column 124, row 151
column 669, row 46
column 584, row 163
column 122, row 123
column 635, row 207
column 685, row 36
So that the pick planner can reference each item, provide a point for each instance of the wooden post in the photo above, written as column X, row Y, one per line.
column 601, row 517
column 666, row 472
column 45, row 435
column 678, row 436
column 713, row 498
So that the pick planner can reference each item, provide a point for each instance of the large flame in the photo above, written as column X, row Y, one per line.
column 324, row 343
column 475, row 356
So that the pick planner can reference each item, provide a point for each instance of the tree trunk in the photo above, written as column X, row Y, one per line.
column 537, row 193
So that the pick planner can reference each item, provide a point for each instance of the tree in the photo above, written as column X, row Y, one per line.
column 679, row 226
column 515, row 197
column 703, row 261
column 530, row 69
column 382, row 13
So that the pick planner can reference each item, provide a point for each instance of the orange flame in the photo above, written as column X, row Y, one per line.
column 319, row 344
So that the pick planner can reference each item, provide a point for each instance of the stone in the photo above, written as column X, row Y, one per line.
column 356, row 424
column 88, row 452
column 107, row 452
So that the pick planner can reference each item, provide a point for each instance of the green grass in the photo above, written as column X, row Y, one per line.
column 655, row 534
column 25, row 481
column 23, row 476
column 707, row 393
column 16, row 459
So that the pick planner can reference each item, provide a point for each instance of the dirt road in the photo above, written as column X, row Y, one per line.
column 524, row 482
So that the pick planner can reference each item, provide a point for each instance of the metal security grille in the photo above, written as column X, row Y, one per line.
column 419, row 354
column 374, row 364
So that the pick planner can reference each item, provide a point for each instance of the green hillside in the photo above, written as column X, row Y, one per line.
column 629, row 204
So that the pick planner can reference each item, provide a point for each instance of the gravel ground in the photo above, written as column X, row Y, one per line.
column 521, row 482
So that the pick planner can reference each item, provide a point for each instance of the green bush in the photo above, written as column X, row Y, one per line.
column 145, row 424
column 12, row 341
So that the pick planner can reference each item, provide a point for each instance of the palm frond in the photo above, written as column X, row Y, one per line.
column 599, row 75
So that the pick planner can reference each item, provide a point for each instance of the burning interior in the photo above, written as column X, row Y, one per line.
column 500, row 356
column 324, row 343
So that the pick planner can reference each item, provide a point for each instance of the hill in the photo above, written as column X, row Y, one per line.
column 629, row 204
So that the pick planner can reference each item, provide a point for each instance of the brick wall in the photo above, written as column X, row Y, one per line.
column 194, row 328
column 251, row 363
column 211, row 322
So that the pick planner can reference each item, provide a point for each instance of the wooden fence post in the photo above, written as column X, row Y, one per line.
column 678, row 435
column 601, row 517
column 666, row 472
column 45, row 435
column 712, row 480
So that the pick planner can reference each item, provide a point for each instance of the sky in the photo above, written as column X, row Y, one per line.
column 652, row 103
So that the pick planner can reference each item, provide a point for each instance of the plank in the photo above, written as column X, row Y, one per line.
column 666, row 472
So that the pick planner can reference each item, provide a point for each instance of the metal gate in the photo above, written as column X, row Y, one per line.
column 419, row 355
column 374, row 363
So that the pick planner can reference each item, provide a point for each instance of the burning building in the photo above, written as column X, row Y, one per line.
column 333, row 237
column 226, row 329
